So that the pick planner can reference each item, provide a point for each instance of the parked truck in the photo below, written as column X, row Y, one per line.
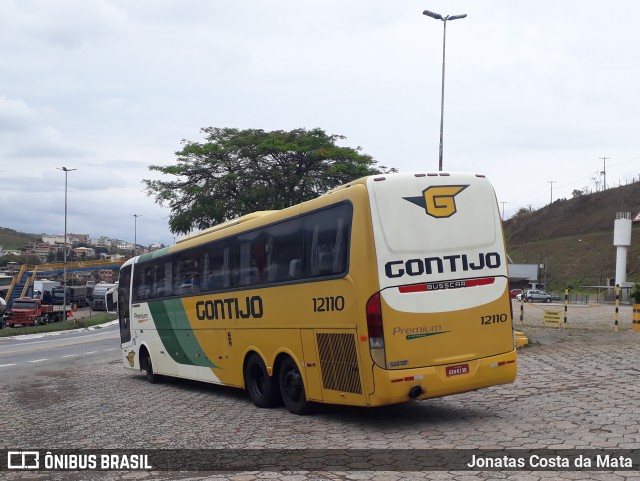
column 3, row 308
column 99, row 296
column 42, row 290
column 29, row 311
column 75, row 295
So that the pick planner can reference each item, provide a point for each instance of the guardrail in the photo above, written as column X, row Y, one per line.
column 78, row 265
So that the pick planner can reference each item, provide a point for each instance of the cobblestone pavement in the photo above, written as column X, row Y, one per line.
column 578, row 387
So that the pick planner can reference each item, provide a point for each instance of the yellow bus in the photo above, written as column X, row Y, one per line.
column 388, row 289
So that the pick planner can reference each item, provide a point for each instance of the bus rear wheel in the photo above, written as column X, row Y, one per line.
column 292, row 387
column 261, row 387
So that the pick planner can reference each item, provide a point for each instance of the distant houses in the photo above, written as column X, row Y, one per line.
column 52, row 245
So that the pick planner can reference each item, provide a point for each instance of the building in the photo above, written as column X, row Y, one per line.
column 102, row 241
column 41, row 250
column 84, row 252
column 524, row 276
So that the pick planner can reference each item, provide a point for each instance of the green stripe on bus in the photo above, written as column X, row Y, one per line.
column 187, row 339
column 177, row 337
column 160, row 316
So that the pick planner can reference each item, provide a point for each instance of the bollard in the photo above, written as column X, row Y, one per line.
column 522, row 308
column 636, row 317
column 615, row 329
column 566, row 303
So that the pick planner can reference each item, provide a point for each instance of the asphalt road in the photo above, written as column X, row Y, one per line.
column 21, row 353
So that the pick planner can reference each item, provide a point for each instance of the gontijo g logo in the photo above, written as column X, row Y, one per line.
column 438, row 200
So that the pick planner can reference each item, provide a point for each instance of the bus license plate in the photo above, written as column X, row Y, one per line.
column 456, row 370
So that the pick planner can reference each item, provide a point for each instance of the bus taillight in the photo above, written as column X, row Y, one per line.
column 374, row 322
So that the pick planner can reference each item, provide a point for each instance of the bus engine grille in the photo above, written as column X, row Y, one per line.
column 339, row 362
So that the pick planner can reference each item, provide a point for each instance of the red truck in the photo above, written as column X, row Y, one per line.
column 28, row 311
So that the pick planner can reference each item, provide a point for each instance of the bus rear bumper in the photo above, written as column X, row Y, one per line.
column 402, row 385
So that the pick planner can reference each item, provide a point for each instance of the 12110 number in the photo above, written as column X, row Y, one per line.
column 493, row 319
column 328, row 304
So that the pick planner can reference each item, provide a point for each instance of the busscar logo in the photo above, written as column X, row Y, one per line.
column 438, row 200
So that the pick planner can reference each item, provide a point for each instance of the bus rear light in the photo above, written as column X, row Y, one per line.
column 374, row 322
column 501, row 363
column 408, row 378
column 413, row 288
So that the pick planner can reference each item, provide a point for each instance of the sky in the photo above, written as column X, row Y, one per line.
column 536, row 94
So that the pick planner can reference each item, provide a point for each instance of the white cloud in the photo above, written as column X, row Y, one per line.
column 110, row 87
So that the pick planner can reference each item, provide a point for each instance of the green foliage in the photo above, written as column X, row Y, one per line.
column 13, row 240
column 635, row 293
column 72, row 323
column 235, row 172
column 571, row 284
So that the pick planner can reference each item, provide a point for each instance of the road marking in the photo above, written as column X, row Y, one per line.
column 91, row 352
column 39, row 360
column 6, row 365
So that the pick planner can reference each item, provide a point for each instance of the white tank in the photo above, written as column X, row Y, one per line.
column 622, row 240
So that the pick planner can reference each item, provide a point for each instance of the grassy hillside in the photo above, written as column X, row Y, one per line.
column 578, row 216
column 551, row 236
column 11, row 239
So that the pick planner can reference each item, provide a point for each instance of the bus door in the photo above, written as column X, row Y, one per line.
column 124, row 307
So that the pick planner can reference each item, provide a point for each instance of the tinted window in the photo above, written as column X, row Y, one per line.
column 326, row 241
column 123, row 303
column 314, row 245
column 284, row 249
column 248, row 259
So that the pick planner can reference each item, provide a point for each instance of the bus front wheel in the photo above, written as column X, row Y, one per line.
column 292, row 388
column 152, row 377
column 261, row 387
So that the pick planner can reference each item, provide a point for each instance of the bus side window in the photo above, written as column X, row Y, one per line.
column 326, row 241
column 248, row 259
column 162, row 283
column 284, row 251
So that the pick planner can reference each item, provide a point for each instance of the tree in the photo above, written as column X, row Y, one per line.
column 235, row 172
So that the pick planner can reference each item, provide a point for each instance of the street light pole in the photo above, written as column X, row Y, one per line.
column 437, row 16
column 135, row 232
column 64, row 308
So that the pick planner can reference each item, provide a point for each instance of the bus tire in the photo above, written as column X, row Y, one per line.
column 292, row 387
column 152, row 377
column 261, row 387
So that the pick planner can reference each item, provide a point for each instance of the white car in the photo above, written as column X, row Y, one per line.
column 533, row 295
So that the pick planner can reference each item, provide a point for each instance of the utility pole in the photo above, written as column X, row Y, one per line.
column 604, row 171
column 135, row 232
column 64, row 280
column 551, row 182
